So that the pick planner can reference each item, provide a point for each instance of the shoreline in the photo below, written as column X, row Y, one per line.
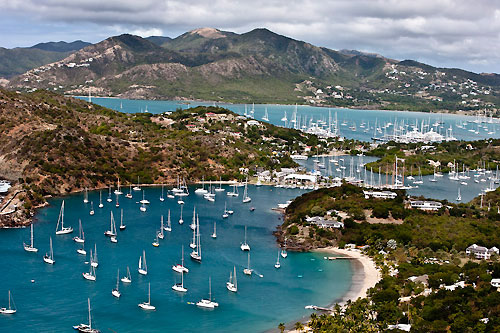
column 365, row 274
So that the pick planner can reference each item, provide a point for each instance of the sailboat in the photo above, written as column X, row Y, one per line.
column 232, row 284
column 147, row 305
column 168, row 227
column 49, row 257
column 160, row 234
column 9, row 310
column 137, row 187
column 144, row 201
column 220, row 189
column 201, row 190
column 246, row 198
column 459, row 197
column 208, row 303
column 180, row 268
column 86, row 196
column 87, row 328
column 122, row 226
column 193, row 223
column 143, row 208
column 90, row 275
column 129, row 194
column 109, row 199
column 180, row 286
column 234, row 192
column 419, row 180
column 225, row 215
column 277, row 264
column 92, row 212
column 93, row 259
column 128, row 278
column 196, row 254
column 30, row 247
column 81, row 251
column 81, row 237
column 118, row 190
column 161, row 197
column 214, row 235
column 143, row 268
column 156, row 243
column 181, row 221
column 60, row 220
column 266, row 116
column 244, row 246
column 117, row 203
column 100, row 200
column 248, row 270
column 112, row 228
column 193, row 241
column 284, row 254
column 116, row 292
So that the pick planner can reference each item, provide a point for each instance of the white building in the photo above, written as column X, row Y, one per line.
column 495, row 283
column 480, row 252
column 380, row 194
column 425, row 205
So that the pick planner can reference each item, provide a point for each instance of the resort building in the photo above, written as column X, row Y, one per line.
column 481, row 252
column 425, row 205
column 380, row 194
column 322, row 223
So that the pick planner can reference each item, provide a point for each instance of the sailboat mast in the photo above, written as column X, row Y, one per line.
column 31, row 234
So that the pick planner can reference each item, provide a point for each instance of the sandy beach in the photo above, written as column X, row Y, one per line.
column 366, row 275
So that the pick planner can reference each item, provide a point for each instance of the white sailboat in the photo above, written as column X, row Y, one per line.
column 192, row 226
column 225, row 215
column 81, row 236
column 117, row 203
column 86, row 328
column 420, row 179
column 196, row 254
column 100, row 200
column 180, row 268
column 284, row 254
column 160, row 234
column 266, row 116
column 112, row 228
column 234, row 192
column 214, row 235
column 168, row 227
column 193, row 241
column 180, row 286
column 144, row 201
column 9, row 310
column 118, row 190
column 143, row 208
column 81, row 251
column 181, row 221
column 127, row 278
column 232, row 284
column 220, row 189
column 60, row 220
column 49, row 257
column 86, row 196
column 137, row 187
column 116, row 292
column 147, row 305
column 277, row 264
column 122, row 226
column 156, row 243
column 161, row 197
column 201, row 190
column 93, row 259
column 244, row 246
column 143, row 268
column 90, row 275
column 92, row 212
column 459, row 196
column 129, row 194
column 30, row 247
column 109, row 199
column 208, row 303
column 246, row 198
column 248, row 270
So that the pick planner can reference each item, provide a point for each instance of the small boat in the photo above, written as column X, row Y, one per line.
column 201, row 190
column 193, row 241
column 144, row 201
column 232, row 284
column 234, row 192
column 129, row 194
column 116, row 292
column 196, row 254
column 90, row 275
column 277, row 264
column 10, row 309
column 143, row 268
column 161, row 197
column 84, row 328
column 168, row 227
column 160, row 234
column 93, row 259
column 122, row 226
column 112, row 228
column 92, row 212
column 86, row 196
column 180, row 286
column 266, row 116
column 137, row 187
column 156, row 243
column 244, row 246
column 147, row 305
column 284, row 254
column 208, row 303
column 118, row 190
column 248, row 270
column 181, row 221
column 225, row 215
column 117, row 203
column 60, row 220
column 180, row 268
column 459, row 196
column 192, row 226
column 246, row 198
column 81, row 251
column 252, row 208
column 30, row 247
column 214, row 235
column 49, row 257
column 81, row 236
column 100, row 200
column 143, row 208
column 109, row 199
column 113, row 239
column 127, row 278
column 220, row 189
column 180, row 202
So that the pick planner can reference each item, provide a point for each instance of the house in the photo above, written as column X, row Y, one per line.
column 322, row 223
column 380, row 194
column 495, row 283
column 481, row 252
column 425, row 205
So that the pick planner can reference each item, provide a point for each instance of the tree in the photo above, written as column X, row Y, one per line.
column 298, row 326
column 281, row 327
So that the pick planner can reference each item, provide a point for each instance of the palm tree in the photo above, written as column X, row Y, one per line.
column 281, row 327
column 299, row 327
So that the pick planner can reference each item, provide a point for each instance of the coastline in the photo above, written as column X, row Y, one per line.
column 365, row 273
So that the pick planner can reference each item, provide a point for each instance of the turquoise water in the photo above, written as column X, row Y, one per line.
column 58, row 297
column 346, row 116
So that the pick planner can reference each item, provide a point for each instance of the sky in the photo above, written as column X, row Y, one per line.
column 443, row 33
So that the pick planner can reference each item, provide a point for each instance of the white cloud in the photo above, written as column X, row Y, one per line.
column 441, row 31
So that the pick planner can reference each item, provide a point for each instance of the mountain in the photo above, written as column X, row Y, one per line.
column 61, row 46
column 259, row 66
column 21, row 59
